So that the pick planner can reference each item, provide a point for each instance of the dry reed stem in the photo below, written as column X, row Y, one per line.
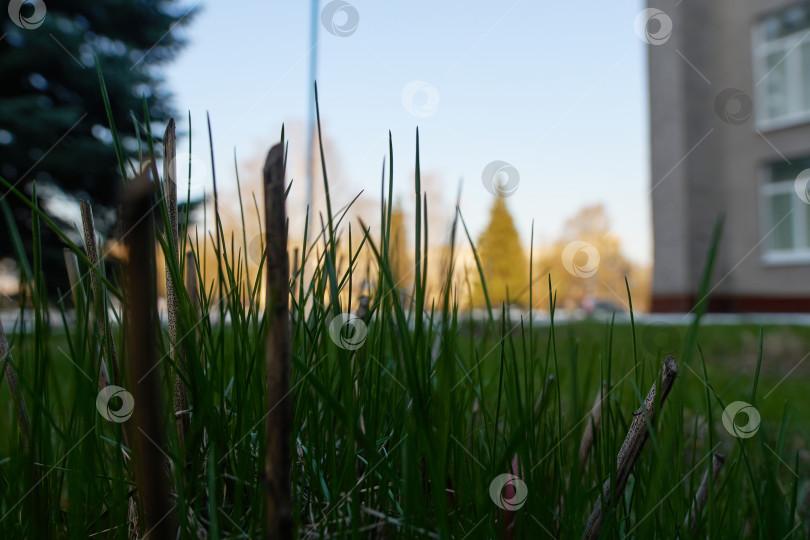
column 99, row 297
column 23, row 420
column 804, row 512
column 191, row 282
column 146, row 428
column 594, row 420
column 277, row 468
column 180, row 397
column 74, row 277
column 637, row 435
column 543, row 399
column 702, row 494
column 295, row 269
column 194, row 295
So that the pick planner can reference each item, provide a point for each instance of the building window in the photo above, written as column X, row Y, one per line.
column 785, row 214
column 782, row 67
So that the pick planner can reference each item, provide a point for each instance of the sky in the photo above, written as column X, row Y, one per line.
column 558, row 90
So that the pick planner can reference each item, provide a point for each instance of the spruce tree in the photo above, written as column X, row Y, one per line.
column 503, row 260
column 53, row 123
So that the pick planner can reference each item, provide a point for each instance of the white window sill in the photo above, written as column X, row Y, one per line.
column 785, row 122
column 786, row 258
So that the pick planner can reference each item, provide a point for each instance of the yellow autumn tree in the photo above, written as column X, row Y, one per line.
column 503, row 260
column 397, row 255
column 587, row 261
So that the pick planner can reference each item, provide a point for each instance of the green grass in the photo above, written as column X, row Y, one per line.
column 403, row 436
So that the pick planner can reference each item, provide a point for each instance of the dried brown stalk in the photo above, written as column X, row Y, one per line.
column 594, row 420
column 74, row 277
column 637, row 435
column 277, row 467
column 295, row 268
column 180, row 397
column 544, row 398
column 804, row 513
column 99, row 297
column 147, row 430
column 23, row 420
column 194, row 296
column 191, row 281
column 702, row 494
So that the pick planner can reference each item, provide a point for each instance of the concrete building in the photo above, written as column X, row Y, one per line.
column 729, row 87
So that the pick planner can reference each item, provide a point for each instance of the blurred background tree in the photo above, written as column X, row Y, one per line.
column 397, row 254
column 53, row 124
column 503, row 260
column 570, row 272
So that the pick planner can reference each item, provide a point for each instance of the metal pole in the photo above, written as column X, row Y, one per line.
column 313, row 67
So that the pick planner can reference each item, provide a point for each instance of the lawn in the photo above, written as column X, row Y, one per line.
column 331, row 482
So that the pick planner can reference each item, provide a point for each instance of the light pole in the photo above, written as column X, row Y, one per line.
column 313, row 67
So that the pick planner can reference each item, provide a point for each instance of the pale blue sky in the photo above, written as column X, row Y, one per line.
column 557, row 89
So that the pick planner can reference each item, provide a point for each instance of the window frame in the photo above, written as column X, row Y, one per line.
column 761, row 48
column 800, row 232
